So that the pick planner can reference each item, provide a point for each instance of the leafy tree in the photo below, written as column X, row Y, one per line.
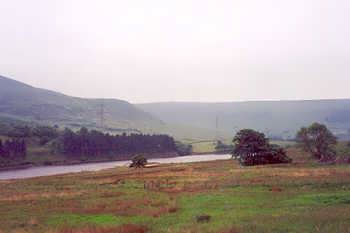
column 249, row 142
column 5, row 129
column 45, row 134
column 13, row 149
column 253, row 148
column 1, row 148
column 138, row 161
column 318, row 140
column 275, row 154
column 68, row 142
column 22, row 149
column 20, row 131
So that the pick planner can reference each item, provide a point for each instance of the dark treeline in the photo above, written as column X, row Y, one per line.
column 13, row 149
column 94, row 143
column 81, row 145
column 20, row 130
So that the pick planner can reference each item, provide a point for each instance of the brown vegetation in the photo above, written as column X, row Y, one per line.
column 127, row 228
column 175, row 195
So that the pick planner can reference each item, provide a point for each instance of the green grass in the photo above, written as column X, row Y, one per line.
column 235, row 206
column 321, row 199
column 203, row 147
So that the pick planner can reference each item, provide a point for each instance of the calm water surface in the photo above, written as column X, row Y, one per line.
column 55, row 170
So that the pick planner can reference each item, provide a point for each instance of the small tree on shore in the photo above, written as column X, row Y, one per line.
column 138, row 161
column 318, row 140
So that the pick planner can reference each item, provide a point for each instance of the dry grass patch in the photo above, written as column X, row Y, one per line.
column 36, row 196
column 127, row 228
column 167, row 199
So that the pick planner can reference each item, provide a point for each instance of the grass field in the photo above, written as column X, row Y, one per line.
column 299, row 197
column 208, row 146
column 205, row 146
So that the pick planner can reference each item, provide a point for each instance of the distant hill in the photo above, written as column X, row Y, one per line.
column 21, row 101
column 280, row 119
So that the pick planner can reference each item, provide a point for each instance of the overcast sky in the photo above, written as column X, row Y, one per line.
column 179, row 50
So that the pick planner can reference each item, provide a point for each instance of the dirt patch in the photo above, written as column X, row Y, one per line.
column 276, row 190
column 131, row 228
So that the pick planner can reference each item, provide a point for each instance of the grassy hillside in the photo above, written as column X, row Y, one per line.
column 21, row 101
column 278, row 119
column 301, row 197
column 275, row 118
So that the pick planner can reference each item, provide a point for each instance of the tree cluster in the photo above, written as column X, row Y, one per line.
column 94, row 143
column 253, row 148
column 20, row 130
column 13, row 149
column 45, row 133
column 318, row 140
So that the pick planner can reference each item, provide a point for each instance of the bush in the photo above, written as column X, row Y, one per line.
column 274, row 154
column 203, row 218
column 183, row 149
column 138, row 161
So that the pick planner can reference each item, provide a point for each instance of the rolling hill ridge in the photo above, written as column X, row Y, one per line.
column 19, row 100
column 279, row 119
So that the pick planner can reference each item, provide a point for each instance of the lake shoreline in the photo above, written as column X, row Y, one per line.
column 80, row 162
column 77, row 162
column 22, row 172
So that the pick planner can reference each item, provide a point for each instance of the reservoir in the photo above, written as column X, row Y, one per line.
column 63, row 169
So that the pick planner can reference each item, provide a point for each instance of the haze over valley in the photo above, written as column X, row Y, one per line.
column 278, row 119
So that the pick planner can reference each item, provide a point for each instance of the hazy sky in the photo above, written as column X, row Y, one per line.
column 179, row 50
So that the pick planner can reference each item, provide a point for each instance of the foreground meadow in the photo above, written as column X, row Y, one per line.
column 218, row 196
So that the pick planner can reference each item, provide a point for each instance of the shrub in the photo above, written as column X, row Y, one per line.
column 183, row 149
column 203, row 218
column 138, row 161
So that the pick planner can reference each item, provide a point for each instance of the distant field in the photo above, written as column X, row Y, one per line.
column 203, row 146
column 207, row 146
column 302, row 197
